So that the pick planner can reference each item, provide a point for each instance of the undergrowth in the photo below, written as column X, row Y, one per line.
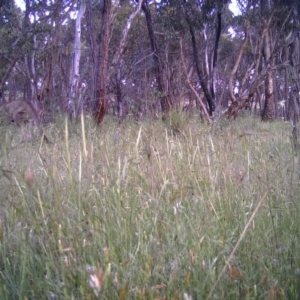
column 149, row 210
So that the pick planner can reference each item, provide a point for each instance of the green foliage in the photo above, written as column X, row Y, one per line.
column 135, row 212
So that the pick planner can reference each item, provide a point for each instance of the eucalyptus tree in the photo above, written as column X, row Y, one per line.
column 200, row 24
column 11, row 49
column 103, row 59
column 39, row 45
column 158, row 67
column 118, row 56
column 75, row 90
column 257, row 74
column 291, row 54
column 106, row 63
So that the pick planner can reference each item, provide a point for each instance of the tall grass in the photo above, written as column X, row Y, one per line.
column 181, row 210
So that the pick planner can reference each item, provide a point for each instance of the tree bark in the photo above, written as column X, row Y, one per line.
column 209, row 99
column 158, row 67
column 268, row 110
column 103, row 61
column 31, row 93
column 191, row 86
column 115, row 67
column 74, row 96
column 122, row 45
column 7, row 73
column 236, row 65
column 94, row 48
column 215, row 57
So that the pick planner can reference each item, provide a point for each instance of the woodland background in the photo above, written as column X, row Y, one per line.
column 143, row 58
column 180, row 209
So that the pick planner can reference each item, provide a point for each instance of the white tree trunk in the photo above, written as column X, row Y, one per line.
column 75, row 93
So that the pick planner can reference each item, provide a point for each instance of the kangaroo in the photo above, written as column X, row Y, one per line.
column 19, row 111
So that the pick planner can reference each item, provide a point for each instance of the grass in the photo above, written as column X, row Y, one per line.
column 150, row 211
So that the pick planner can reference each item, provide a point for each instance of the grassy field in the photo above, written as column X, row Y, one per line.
column 150, row 211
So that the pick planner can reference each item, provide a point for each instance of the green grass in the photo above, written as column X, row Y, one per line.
column 150, row 211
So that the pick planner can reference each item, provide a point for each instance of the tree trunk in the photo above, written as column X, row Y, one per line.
column 73, row 101
column 115, row 67
column 237, row 64
column 215, row 57
column 30, row 93
column 94, row 47
column 203, row 84
column 115, row 64
column 7, row 73
column 158, row 67
column 268, row 110
column 103, row 61
column 120, row 102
